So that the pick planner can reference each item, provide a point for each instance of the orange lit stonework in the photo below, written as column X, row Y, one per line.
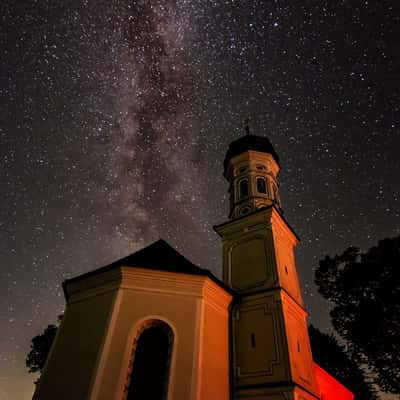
column 270, row 307
column 243, row 338
column 271, row 353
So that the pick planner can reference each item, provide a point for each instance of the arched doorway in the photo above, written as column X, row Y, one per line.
column 151, row 362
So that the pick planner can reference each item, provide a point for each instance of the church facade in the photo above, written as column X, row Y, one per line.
column 155, row 326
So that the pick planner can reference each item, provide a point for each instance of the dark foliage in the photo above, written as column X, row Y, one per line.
column 364, row 289
column 40, row 348
column 332, row 357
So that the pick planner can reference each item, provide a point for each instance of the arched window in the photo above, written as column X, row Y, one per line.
column 243, row 188
column 151, row 361
column 261, row 186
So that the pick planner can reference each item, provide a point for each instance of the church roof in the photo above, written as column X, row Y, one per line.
column 160, row 256
column 157, row 256
column 249, row 142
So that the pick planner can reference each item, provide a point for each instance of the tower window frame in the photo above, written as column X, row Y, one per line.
column 275, row 193
column 243, row 188
column 261, row 184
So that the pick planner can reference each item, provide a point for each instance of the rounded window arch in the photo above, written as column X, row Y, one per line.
column 149, row 368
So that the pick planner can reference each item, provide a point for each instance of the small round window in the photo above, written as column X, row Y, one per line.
column 244, row 210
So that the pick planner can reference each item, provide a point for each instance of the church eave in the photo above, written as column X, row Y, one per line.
column 158, row 256
column 263, row 209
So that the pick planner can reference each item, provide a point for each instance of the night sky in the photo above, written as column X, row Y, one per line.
column 115, row 117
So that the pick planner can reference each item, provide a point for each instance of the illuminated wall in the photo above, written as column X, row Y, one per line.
column 93, row 352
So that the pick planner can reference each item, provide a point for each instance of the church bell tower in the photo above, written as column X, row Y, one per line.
column 270, row 348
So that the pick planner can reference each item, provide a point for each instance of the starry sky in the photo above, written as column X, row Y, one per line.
column 115, row 117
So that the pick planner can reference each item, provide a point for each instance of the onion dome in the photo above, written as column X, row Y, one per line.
column 246, row 143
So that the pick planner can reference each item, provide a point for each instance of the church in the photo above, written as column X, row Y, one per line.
column 154, row 326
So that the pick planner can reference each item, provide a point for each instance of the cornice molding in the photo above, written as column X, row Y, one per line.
column 264, row 218
column 292, row 306
column 92, row 286
column 152, row 281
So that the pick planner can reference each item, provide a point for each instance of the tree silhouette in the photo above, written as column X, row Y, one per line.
column 364, row 289
column 40, row 348
column 331, row 356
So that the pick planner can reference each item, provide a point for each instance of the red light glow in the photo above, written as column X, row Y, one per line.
column 329, row 387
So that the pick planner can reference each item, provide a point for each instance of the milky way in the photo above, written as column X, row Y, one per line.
column 115, row 117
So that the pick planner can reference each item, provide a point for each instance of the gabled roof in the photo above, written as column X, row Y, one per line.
column 157, row 256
